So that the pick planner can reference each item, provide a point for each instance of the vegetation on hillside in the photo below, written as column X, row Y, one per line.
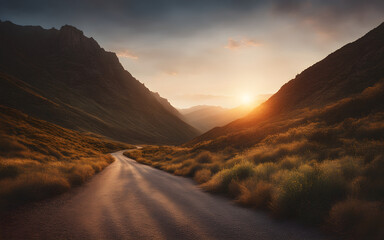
column 338, row 77
column 323, row 167
column 39, row 159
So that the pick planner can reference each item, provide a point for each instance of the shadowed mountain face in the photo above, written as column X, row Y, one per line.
column 332, row 90
column 66, row 78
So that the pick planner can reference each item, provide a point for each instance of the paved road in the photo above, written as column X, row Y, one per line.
column 133, row 201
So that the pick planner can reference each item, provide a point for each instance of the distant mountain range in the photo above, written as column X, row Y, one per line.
column 205, row 117
column 346, row 84
column 66, row 78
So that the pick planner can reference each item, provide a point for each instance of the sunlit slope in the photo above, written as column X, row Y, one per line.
column 344, row 74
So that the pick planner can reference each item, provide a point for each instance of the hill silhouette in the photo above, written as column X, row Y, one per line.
column 206, row 117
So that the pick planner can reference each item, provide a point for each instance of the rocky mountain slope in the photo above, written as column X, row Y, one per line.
column 66, row 78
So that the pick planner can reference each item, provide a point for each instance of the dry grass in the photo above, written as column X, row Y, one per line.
column 203, row 176
column 294, row 174
column 357, row 219
column 304, row 166
column 299, row 183
column 39, row 160
column 254, row 193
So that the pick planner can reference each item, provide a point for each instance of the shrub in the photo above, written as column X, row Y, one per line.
column 204, row 157
column 255, row 193
column 188, row 168
column 263, row 171
column 372, row 185
column 290, row 162
column 351, row 167
column 136, row 154
column 233, row 161
column 203, row 175
column 234, row 188
column 357, row 219
column 308, row 193
column 221, row 180
column 79, row 173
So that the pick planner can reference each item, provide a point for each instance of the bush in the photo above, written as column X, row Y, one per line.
column 256, row 193
column 290, row 162
column 357, row 219
column 263, row 171
column 308, row 193
column 203, row 175
column 221, row 180
column 79, row 173
column 188, row 168
column 204, row 157
column 372, row 184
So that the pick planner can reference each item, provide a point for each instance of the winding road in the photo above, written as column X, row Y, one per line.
column 129, row 200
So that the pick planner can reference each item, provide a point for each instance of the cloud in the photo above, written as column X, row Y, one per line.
column 126, row 54
column 251, row 43
column 245, row 42
column 135, row 18
column 189, row 100
column 233, row 44
column 205, row 97
column 171, row 73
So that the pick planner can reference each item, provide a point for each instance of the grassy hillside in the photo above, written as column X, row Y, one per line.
column 39, row 159
column 343, row 74
column 313, row 152
column 66, row 78
column 319, row 170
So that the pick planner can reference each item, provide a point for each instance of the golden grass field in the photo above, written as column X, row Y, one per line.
column 39, row 159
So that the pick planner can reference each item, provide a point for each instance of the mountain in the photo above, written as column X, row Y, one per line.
column 66, row 78
column 314, row 151
column 205, row 117
column 346, row 84
column 167, row 105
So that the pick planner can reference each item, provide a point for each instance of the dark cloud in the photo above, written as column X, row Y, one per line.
column 175, row 17
column 327, row 10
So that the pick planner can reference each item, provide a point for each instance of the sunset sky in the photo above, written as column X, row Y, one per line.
column 214, row 52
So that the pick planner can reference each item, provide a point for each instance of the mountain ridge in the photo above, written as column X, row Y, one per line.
column 344, row 73
column 66, row 78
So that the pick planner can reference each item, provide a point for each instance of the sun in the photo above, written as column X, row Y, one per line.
column 246, row 99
